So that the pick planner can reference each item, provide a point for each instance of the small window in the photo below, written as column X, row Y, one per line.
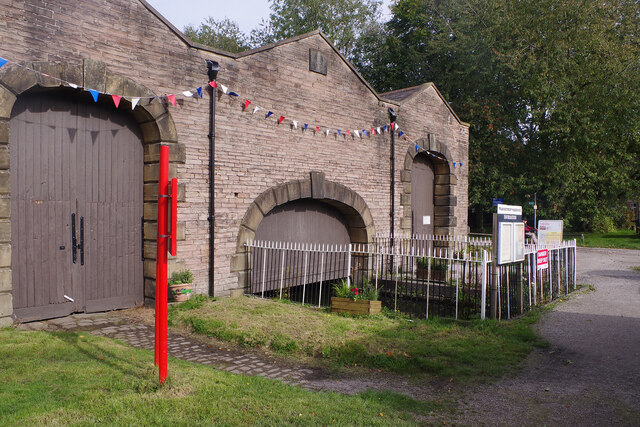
column 317, row 62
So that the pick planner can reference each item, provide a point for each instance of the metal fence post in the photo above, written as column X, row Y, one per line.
column 483, row 295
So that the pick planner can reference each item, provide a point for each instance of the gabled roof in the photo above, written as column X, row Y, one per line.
column 396, row 97
column 401, row 96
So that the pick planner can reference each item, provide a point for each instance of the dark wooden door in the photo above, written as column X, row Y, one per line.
column 422, row 203
column 75, row 167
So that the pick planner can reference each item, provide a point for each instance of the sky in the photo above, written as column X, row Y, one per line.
column 247, row 13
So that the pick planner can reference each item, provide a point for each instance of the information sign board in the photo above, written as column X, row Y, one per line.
column 510, row 234
column 550, row 231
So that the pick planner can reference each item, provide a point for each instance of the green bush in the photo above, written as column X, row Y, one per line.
column 180, row 277
column 603, row 223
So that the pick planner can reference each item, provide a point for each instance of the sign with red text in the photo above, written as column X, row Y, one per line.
column 543, row 259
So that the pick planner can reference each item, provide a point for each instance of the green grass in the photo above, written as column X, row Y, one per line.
column 621, row 239
column 79, row 379
column 441, row 348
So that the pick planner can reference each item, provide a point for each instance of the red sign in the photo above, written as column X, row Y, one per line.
column 543, row 259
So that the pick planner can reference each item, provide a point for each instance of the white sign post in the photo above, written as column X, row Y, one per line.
column 510, row 238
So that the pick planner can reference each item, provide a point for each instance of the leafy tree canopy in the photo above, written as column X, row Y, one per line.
column 222, row 34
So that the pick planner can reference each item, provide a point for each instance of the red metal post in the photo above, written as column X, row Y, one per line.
column 161, row 264
column 174, row 217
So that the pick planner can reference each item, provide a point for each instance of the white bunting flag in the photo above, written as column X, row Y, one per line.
column 327, row 132
column 73, row 85
column 224, row 88
column 295, row 124
column 379, row 131
column 187, row 93
column 357, row 133
column 134, row 102
column 255, row 110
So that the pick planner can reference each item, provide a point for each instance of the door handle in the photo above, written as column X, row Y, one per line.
column 74, row 253
column 81, row 245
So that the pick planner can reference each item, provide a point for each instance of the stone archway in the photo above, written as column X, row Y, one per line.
column 349, row 203
column 444, row 199
column 156, row 125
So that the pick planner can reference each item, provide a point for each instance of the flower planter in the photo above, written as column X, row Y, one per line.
column 347, row 305
column 180, row 292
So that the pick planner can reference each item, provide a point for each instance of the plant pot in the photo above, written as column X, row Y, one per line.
column 180, row 292
column 347, row 305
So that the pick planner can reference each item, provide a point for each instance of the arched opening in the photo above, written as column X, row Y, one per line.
column 76, row 205
column 422, row 200
column 304, row 221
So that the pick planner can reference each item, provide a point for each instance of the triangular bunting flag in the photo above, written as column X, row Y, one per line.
column 357, row 134
column 454, row 165
column 317, row 129
column 305, row 126
column 364, row 132
column 172, row 99
column 75, row 86
column 246, row 104
column 187, row 93
column 3, row 61
column 460, row 163
column 373, row 131
column 233, row 94
column 295, row 124
column 397, row 128
column 134, row 102
column 348, row 132
column 400, row 134
column 213, row 84
column 255, row 110
column 327, row 134
column 199, row 90
column 224, row 88
column 417, row 147
column 116, row 100
column 339, row 133
column 95, row 94
column 280, row 119
column 392, row 124
column 378, row 131
column 269, row 114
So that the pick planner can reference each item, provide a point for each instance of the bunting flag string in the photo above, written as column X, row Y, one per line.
column 171, row 98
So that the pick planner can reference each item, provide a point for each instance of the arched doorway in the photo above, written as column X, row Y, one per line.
column 422, row 202
column 76, row 206
column 304, row 221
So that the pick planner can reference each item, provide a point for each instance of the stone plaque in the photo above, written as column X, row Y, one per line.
column 317, row 61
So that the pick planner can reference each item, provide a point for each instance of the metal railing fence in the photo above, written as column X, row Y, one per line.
column 423, row 276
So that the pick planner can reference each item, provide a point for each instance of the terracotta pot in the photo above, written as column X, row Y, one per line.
column 180, row 292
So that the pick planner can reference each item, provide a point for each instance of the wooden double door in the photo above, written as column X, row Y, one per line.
column 76, row 207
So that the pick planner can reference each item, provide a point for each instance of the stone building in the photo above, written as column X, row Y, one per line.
column 78, row 177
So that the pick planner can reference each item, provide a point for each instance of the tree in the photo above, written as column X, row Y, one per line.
column 223, row 34
column 342, row 20
column 551, row 88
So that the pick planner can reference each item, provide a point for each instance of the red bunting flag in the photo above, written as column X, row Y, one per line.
column 393, row 125
column 213, row 84
column 348, row 132
column 373, row 131
column 172, row 99
column 116, row 100
column 317, row 129
column 280, row 119
column 246, row 103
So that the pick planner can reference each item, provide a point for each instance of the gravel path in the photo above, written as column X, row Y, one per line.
column 591, row 373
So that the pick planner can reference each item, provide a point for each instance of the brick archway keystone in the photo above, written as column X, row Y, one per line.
column 348, row 202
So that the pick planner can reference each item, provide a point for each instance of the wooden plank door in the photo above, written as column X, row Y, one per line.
column 68, row 161
column 422, row 189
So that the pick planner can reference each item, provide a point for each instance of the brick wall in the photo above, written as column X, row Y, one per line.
column 252, row 154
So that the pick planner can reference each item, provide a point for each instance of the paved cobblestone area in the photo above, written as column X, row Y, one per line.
column 181, row 347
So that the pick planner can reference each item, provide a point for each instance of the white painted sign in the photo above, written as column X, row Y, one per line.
column 509, row 210
column 550, row 231
column 426, row 219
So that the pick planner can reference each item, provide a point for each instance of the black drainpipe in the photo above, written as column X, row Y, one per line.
column 392, row 118
column 212, row 73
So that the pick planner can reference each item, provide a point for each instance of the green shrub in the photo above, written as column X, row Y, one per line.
column 180, row 277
